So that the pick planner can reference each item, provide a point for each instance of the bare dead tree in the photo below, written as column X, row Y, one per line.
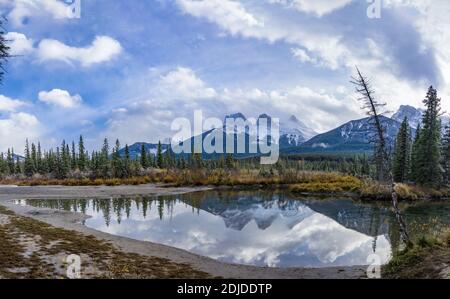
column 371, row 105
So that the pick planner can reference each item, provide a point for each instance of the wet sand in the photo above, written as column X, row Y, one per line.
column 71, row 221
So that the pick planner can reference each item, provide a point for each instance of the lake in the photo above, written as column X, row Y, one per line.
column 262, row 228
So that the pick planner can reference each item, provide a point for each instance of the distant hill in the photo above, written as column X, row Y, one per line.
column 135, row 149
column 354, row 136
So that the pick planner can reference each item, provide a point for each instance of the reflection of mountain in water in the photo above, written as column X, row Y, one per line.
column 239, row 211
column 242, row 208
column 370, row 220
column 267, row 209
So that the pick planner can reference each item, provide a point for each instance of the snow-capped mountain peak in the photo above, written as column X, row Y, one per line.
column 414, row 115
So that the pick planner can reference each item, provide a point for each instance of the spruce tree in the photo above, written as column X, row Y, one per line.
column 127, row 162
column 29, row 166
column 429, row 170
column 415, row 155
column 18, row 168
column 159, row 156
column 402, row 155
column 104, row 159
column 144, row 158
column 82, row 160
column 117, row 161
column 74, row 162
column 64, row 161
column 34, row 156
column 39, row 162
column 10, row 161
column 3, row 165
column 446, row 155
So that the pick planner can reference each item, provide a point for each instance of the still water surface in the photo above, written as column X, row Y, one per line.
column 275, row 229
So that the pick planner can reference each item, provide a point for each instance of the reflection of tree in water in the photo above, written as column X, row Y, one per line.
column 371, row 219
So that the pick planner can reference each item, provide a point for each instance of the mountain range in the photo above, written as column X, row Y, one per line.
column 297, row 138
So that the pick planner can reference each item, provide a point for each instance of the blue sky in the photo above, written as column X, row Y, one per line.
column 126, row 69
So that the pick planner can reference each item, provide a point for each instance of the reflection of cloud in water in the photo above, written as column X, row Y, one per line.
column 268, row 236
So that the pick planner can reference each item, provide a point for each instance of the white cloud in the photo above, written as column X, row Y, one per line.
column 432, row 21
column 152, row 112
column 19, row 10
column 184, row 83
column 10, row 105
column 102, row 49
column 324, row 47
column 19, row 44
column 328, row 49
column 316, row 7
column 60, row 98
column 16, row 128
column 302, row 56
column 231, row 15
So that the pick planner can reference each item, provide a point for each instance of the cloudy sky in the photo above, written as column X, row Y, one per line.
column 126, row 68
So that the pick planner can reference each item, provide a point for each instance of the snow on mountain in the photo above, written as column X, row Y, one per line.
column 414, row 115
column 293, row 132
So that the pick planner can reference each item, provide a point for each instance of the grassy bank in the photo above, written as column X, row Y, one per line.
column 296, row 181
column 33, row 249
column 428, row 258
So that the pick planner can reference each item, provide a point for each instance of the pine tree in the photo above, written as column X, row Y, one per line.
column 39, row 163
column 64, row 160
column 3, row 165
column 82, row 157
column 127, row 162
column 104, row 159
column 429, row 170
column 117, row 161
column 29, row 166
column 34, row 156
column 415, row 155
column 446, row 155
column 73, row 160
column 402, row 155
column 159, row 156
column 10, row 161
column 18, row 169
column 144, row 157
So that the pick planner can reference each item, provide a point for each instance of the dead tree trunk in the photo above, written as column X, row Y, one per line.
column 371, row 105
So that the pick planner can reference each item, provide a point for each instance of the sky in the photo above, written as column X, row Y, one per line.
column 126, row 69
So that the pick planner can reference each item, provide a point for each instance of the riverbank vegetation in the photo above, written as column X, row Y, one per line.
column 429, row 257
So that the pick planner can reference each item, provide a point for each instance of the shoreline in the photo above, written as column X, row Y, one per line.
column 71, row 221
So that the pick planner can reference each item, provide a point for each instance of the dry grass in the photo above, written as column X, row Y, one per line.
column 298, row 181
column 374, row 190
column 100, row 259
column 428, row 258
